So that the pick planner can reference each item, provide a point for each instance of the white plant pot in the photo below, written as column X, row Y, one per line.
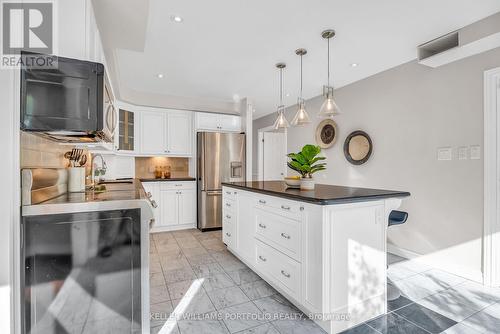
column 307, row 183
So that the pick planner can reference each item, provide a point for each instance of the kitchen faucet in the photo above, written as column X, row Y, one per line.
column 96, row 170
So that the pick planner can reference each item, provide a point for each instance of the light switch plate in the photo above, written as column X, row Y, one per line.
column 475, row 152
column 444, row 153
column 463, row 153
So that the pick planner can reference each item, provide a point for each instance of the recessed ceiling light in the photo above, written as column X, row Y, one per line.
column 160, row 76
column 354, row 65
column 287, row 94
column 176, row 18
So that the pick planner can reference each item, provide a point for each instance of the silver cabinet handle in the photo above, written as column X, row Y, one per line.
column 261, row 201
column 148, row 194
column 228, row 216
column 262, row 225
column 153, row 204
column 262, row 258
column 284, row 207
column 234, row 192
column 178, row 185
column 151, row 222
column 284, row 273
column 228, row 192
column 284, row 235
column 228, row 205
column 228, row 234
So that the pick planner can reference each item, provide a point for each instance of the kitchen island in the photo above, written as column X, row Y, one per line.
column 325, row 249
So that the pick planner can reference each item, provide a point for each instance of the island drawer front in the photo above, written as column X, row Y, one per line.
column 172, row 185
column 290, row 209
column 280, row 232
column 281, row 270
column 229, row 216
column 229, row 193
column 229, row 233
column 228, row 204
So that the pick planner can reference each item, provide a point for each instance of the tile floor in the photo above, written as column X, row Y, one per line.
column 197, row 286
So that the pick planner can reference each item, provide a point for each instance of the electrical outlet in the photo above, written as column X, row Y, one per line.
column 444, row 153
column 463, row 153
column 475, row 152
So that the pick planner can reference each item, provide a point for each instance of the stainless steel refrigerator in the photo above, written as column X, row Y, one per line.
column 221, row 158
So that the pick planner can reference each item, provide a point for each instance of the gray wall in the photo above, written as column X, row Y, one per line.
column 410, row 111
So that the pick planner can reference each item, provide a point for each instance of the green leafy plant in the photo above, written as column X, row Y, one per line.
column 306, row 161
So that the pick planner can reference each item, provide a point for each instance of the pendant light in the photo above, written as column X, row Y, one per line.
column 329, row 107
column 281, row 123
column 301, row 117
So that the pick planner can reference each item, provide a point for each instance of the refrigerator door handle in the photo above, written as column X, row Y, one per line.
column 214, row 192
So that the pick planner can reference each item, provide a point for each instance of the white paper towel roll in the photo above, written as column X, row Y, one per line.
column 76, row 179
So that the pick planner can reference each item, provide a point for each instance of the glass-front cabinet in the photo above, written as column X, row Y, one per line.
column 126, row 130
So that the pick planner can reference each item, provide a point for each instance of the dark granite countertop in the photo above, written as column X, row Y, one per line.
column 323, row 194
column 172, row 179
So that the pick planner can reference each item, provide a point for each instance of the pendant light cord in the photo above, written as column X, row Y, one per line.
column 328, row 62
column 301, row 76
column 281, row 86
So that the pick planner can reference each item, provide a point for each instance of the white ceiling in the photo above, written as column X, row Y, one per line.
column 225, row 48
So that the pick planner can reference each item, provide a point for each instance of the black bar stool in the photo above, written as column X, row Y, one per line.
column 395, row 218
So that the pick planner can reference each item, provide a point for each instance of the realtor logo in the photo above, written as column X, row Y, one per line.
column 27, row 27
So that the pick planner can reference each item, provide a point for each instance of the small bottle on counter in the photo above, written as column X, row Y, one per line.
column 158, row 173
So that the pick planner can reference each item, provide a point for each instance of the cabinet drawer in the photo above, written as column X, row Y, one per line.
column 228, row 205
column 229, row 193
column 173, row 185
column 228, row 233
column 229, row 216
column 281, row 269
column 280, row 232
column 291, row 209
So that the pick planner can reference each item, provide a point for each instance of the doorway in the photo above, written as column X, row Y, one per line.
column 272, row 154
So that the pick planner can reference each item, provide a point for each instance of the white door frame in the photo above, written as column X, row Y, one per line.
column 491, row 238
column 260, row 148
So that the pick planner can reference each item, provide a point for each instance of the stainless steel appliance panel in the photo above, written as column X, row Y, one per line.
column 221, row 158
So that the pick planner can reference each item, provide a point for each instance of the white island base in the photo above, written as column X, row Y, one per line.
column 329, row 260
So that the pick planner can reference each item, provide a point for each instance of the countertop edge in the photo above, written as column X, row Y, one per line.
column 180, row 179
column 343, row 200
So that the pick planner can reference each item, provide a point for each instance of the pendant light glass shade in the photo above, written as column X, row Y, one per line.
column 301, row 117
column 281, row 122
column 329, row 108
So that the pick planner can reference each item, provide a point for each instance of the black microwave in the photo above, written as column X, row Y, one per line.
column 65, row 101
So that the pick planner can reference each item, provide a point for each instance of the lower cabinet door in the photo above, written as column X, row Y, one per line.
column 187, row 206
column 229, row 234
column 246, row 227
column 169, row 208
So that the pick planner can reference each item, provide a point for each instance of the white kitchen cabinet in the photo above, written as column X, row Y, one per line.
column 153, row 132
column 166, row 133
column 179, row 134
column 246, row 225
column 176, row 204
column 218, row 122
column 169, row 204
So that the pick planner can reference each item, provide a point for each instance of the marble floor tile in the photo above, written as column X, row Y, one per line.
column 171, row 247
column 486, row 320
column 277, row 306
column 202, row 327
column 177, row 275
column 226, row 297
column 159, row 313
column 170, row 327
column 425, row 318
column 158, row 294
column 192, row 304
column 208, row 269
column 190, row 244
column 232, row 265
column 461, row 328
column 156, row 279
column 257, row 289
column 361, row 329
column 179, row 289
column 398, row 303
column 395, row 273
column 394, row 324
column 223, row 255
column 155, row 267
column 218, row 281
column 191, row 252
column 418, row 287
column 241, row 317
column 171, row 255
column 412, row 265
column 480, row 290
column 201, row 259
column 299, row 326
column 262, row 329
column 244, row 275
column 448, row 307
column 178, row 263
column 444, row 279
column 472, row 295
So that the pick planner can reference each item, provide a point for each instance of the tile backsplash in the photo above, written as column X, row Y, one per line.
column 145, row 166
column 39, row 152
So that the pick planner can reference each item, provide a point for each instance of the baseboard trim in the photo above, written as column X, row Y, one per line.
column 473, row 275
column 159, row 229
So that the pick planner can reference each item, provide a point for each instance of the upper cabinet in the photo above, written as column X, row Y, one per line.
column 217, row 122
column 166, row 133
column 78, row 35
